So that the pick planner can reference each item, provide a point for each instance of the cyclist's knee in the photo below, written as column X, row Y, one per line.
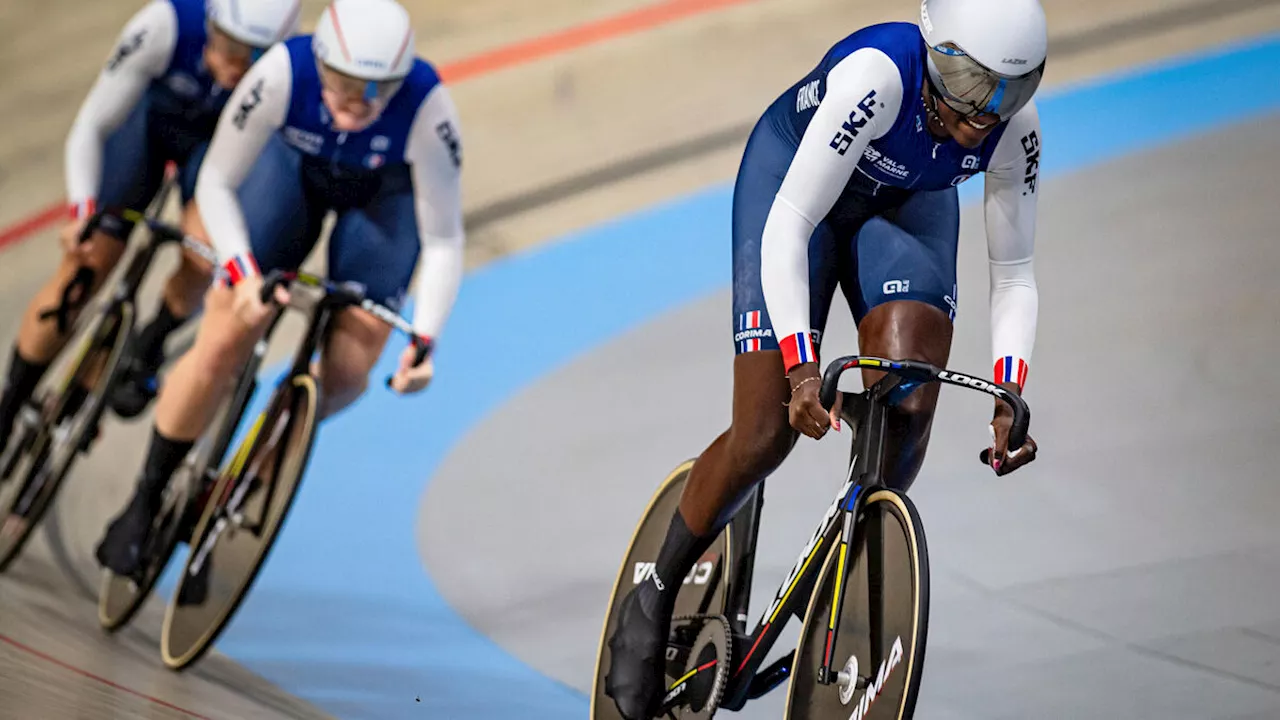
column 918, row 407
column 759, row 445
column 188, row 284
column 343, row 379
column 353, row 347
column 223, row 341
column 100, row 252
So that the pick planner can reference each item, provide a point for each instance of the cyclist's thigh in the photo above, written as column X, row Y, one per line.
column 764, row 164
column 283, row 223
column 377, row 244
column 907, row 254
column 132, row 168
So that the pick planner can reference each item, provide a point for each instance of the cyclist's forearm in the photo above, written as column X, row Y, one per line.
column 1015, row 302
column 434, row 154
column 439, row 277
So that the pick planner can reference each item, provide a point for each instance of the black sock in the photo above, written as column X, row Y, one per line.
column 163, row 458
column 680, row 550
column 151, row 339
column 23, row 378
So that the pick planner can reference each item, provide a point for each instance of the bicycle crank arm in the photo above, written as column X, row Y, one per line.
column 771, row 677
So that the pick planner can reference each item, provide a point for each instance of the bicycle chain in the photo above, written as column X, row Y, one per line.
column 724, row 663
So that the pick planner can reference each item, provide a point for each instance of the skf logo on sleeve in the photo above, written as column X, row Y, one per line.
column 1031, row 147
column 251, row 101
column 450, row 138
column 125, row 49
column 849, row 130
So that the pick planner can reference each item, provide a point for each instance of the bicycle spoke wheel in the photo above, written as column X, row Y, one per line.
column 62, row 430
column 703, row 592
column 879, row 649
column 239, row 524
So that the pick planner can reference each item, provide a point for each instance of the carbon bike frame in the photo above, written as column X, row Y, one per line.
column 867, row 414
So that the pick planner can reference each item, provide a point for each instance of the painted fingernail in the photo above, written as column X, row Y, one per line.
column 996, row 464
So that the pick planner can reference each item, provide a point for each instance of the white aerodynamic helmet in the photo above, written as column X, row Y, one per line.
column 985, row 56
column 256, row 23
column 369, row 40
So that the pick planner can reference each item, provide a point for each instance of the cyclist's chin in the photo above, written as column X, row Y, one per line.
column 349, row 119
column 969, row 136
column 352, row 122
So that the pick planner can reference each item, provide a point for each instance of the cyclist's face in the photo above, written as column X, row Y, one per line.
column 348, row 100
column 228, row 59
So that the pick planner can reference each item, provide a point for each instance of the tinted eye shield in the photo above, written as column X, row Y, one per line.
column 347, row 86
column 233, row 49
column 971, row 89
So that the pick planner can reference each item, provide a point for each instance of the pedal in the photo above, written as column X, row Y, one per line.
column 697, row 691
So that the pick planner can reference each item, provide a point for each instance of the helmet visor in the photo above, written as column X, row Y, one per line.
column 350, row 88
column 971, row 89
column 233, row 49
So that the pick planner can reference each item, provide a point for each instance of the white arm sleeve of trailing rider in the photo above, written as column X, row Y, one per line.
column 863, row 96
column 1011, row 188
column 254, row 112
column 141, row 55
column 434, row 154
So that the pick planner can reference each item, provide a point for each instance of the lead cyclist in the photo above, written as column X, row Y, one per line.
column 849, row 179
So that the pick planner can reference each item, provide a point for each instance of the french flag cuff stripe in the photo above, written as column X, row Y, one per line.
column 1011, row 369
column 240, row 267
column 797, row 349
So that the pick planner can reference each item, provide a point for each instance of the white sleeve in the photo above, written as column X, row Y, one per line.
column 255, row 110
column 1011, row 185
column 434, row 154
column 141, row 55
column 863, row 96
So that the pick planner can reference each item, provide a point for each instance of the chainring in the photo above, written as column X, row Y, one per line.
column 696, row 693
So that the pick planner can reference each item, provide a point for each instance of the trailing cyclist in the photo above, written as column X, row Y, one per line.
column 350, row 120
column 849, row 178
column 156, row 101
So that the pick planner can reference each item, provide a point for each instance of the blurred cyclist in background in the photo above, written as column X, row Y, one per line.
column 348, row 120
column 849, row 179
column 156, row 101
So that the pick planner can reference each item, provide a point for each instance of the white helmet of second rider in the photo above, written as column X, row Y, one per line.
column 985, row 56
column 369, row 40
column 256, row 23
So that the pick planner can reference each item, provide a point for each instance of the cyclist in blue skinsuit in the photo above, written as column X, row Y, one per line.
column 347, row 120
column 849, row 179
column 155, row 101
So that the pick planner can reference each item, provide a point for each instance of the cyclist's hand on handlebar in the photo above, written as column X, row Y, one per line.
column 1003, row 460
column 248, row 300
column 411, row 379
column 805, row 410
column 69, row 236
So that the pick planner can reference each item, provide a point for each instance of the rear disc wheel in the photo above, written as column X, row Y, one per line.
column 702, row 593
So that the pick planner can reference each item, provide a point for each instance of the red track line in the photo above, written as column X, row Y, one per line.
column 97, row 678
column 523, row 52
